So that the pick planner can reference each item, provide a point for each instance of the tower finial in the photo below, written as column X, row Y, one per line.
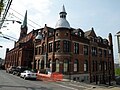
column 63, row 8
column 63, row 12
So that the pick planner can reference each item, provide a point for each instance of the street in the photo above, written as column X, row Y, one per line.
column 12, row 82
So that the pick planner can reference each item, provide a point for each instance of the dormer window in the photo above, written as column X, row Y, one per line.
column 100, row 40
column 76, row 33
column 105, row 41
column 80, row 33
column 57, row 34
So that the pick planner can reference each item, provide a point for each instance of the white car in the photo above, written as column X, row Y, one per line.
column 28, row 75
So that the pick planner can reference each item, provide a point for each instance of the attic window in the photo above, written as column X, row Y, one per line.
column 80, row 33
column 50, row 34
column 76, row 33
column 57, row 34
column 66, row 34
column 105, row 41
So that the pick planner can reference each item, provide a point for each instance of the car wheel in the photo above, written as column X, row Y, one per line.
column 24, row 77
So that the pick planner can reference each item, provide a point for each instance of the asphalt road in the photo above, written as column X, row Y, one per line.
column 12, row 82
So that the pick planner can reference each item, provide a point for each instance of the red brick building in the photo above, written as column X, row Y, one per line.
column 22, row 53
column 78, row 55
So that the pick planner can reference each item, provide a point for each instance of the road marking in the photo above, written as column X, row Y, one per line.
column 66, row 87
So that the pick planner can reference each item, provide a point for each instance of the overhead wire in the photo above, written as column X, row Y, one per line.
column 21, row 20
column 23, row 16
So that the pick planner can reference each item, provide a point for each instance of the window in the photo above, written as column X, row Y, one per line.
column 35, row 51
column 109, row 52
column 76, row 48
column 86, row 65
column 43, row 48
column 105, row 53
column 105, row 65
column 50, row 47
column 50, row 33
column 100, row 52
column 66, row 66
column 96, row 65
column 57, row 46
column 93, row 68
column 57, row 34
column 42, row 64
column 66, row 34
column 48, row 63
column 66, row 46
column 57, row 66
column 100, row 66
column 80, row 33
column 85, row 50
column 76, row 65
column 94, row 51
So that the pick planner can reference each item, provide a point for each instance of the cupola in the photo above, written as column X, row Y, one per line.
column 62, row 22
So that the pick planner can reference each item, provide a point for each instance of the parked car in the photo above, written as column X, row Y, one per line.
column 19, row 70
column 10, row 69
column 27, row 74
column 117, row 78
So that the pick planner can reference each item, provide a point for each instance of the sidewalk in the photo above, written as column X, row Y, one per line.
column 92, row 86
column 112, row 88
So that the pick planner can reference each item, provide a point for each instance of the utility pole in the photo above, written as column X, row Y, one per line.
column 5, row 12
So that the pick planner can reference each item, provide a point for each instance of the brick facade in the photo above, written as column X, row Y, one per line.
column 93, row 61
column 78, row 55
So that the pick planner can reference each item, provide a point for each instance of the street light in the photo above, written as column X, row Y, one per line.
column 1, row 46
column 14, row 21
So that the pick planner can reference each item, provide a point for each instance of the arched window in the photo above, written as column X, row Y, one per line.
column 86, row 66
column 42, row 64
column 65, row 65
column 57, row 65
column 48, row 63
column 39, row 65
column 76, row 65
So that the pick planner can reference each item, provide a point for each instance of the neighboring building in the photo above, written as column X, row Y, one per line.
column 78, row 55
column 22, row 53
column 2, row 63
column 116, row 65
column 118, row 41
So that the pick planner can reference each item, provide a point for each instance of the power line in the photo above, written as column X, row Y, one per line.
column 23, row 16
column 8, row 37
column 21, row 20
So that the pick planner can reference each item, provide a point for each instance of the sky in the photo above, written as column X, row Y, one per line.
column 102, row 15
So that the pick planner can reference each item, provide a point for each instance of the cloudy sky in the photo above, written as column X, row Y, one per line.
column 102, row 15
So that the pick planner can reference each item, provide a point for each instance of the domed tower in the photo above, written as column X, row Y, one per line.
column 62, row 22
column 24, row 27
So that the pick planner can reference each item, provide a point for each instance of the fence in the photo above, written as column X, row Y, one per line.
column 50, row 77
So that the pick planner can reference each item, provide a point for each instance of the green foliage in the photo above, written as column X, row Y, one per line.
column 117, row 71
column 1, row 6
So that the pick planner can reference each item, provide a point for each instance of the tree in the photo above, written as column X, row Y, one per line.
column 117, row 71
column 1, row 6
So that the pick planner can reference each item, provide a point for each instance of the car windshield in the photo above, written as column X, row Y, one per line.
column 27, row 71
